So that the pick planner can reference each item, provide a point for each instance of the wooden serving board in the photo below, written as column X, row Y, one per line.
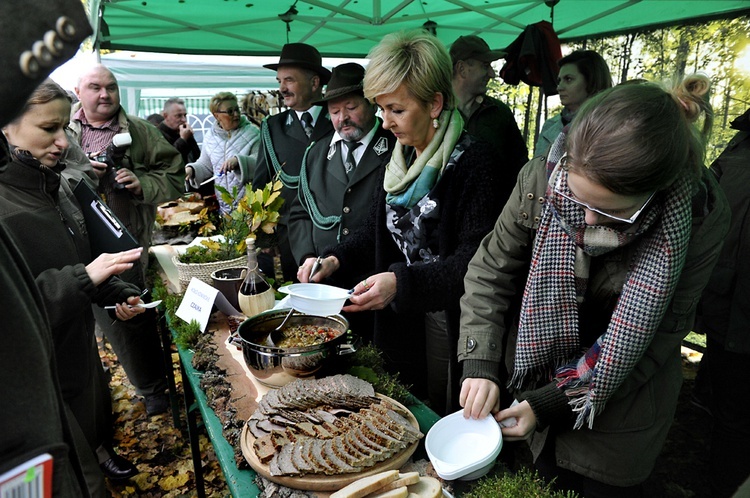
column 322, row 482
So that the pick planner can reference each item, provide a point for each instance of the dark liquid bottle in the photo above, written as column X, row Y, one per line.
column 255, row 295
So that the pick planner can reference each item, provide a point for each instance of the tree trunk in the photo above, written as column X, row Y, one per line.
column 527, row 115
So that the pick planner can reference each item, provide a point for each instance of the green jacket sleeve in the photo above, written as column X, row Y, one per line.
column 496, row 277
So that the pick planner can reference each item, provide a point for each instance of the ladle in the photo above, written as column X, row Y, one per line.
column 283, row 322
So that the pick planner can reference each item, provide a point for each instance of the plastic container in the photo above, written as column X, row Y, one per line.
column 464, row 449
column 316, row 299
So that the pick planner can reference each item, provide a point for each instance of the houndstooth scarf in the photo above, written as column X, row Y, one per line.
column 548, row 336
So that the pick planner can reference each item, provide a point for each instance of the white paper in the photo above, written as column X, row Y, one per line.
column 198, row 302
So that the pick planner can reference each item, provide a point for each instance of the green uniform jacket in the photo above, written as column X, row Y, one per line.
column 157, row 164
column 628, row 435
column 337, row 194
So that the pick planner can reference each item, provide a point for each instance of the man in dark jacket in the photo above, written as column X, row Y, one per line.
column 33, row 413
column 151, row 172
column 285, row 136
column 340, row 175
column 486, row 118
column 724, row 316
column 177, row 131
column 339, row 178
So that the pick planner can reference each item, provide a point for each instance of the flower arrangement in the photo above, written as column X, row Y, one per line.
column 256, row 214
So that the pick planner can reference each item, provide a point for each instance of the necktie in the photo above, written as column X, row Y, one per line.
column 307, row 123
column 350, row 163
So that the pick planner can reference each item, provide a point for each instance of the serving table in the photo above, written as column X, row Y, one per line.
column 246, row 392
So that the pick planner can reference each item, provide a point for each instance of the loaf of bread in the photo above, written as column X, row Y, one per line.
column 367, row 485
column 403, row 480
column 400, row 492
column 427, row 487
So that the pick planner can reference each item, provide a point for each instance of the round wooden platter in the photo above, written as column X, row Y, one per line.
column 322, row 482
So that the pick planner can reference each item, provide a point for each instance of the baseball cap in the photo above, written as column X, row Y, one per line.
column 473, row 47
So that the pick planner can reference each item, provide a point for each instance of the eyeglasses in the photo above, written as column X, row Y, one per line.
column 630, row 220
column 231, row 110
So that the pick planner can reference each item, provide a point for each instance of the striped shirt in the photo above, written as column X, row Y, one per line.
column 96, row 139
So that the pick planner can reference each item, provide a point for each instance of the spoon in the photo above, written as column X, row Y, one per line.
column 283, row 322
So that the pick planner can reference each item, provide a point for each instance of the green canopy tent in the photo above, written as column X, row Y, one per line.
column 349, row 28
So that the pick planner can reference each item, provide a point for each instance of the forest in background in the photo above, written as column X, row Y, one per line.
column 719, row 49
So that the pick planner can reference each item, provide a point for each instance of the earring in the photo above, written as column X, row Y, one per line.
column 435, row 123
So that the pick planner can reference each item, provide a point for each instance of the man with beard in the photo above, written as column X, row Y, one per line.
column 285, row 136
column 485, row 117
column 339, row 177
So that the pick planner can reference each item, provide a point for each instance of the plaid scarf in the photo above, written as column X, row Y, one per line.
column 548, row 340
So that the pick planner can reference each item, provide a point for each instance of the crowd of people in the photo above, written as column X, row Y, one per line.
column 552, row 290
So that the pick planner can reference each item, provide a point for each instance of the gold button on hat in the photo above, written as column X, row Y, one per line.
column 65, row 28
column 28, row 64
column 42, row 54
column 53, row 43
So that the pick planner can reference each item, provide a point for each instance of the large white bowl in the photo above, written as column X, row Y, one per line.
column 464, row 449
column 316, row 299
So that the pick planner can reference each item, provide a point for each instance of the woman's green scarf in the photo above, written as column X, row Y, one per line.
column 406, row 185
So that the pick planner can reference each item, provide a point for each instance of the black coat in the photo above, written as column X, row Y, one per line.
column 335, row 193
column 41, row 213
column 724, row 311
column 32, row 414
column 470, row 205
column 289, row 143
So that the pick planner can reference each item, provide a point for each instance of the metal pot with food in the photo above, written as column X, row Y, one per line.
column 277, row 355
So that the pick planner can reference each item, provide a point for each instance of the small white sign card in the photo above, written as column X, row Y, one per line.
column 198, row 302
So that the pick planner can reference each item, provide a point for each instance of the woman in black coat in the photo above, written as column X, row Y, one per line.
column 439, row 199
column 41, row 213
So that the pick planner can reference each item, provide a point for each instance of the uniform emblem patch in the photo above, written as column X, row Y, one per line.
column 381, row 147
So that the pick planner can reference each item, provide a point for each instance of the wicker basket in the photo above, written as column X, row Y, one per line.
column 203, row 271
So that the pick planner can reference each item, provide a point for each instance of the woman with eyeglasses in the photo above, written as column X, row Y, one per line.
column 576, row 304
column 231, row 135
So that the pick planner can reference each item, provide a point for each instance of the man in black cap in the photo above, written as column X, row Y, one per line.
column 286, row 135
column 485, row 117
column 339, row 178
column 339, row 175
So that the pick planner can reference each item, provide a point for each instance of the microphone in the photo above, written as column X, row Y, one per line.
column 115, row 153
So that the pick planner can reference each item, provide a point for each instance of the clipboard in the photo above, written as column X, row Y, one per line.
column 107, row 234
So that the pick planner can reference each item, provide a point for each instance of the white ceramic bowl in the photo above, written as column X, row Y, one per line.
column 464, row 449
column 316, row 299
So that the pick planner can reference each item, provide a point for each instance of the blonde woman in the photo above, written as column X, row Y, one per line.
column 439, row 199
column 231, row 135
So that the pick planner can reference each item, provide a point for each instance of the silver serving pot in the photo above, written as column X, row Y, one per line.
column 275, row 366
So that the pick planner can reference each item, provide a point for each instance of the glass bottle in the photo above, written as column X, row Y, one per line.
column 255, row 294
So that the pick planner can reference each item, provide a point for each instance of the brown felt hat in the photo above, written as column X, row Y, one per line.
column 473, row 47
column 346, row 78
column 304, row 56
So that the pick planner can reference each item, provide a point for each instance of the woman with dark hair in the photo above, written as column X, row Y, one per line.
column 577, row 303
column 583, row 73
column 439, row 198
column 38, row 208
